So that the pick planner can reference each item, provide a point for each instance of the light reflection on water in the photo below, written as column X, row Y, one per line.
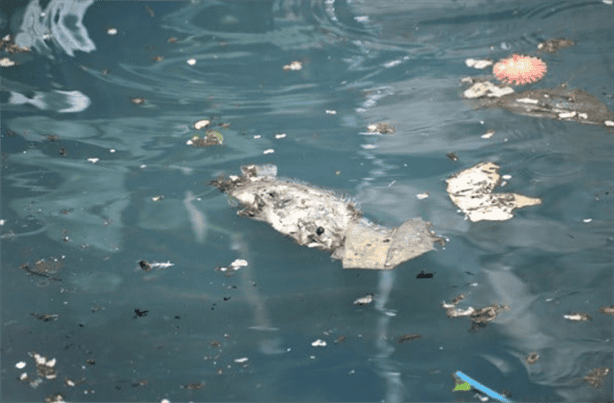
column 399, row 62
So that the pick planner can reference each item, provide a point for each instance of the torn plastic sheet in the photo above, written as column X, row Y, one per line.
column 323, row 219
column 471, row 190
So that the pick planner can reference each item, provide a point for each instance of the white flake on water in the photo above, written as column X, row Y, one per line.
column 319, row 343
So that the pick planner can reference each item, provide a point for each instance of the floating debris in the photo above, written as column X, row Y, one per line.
column 93, row 160
column 520, row 70
column 213, row 138
column 322, row 219
column 112, row 31
column 471, row 190
column 422, row 274
column 409, row 337
column 487, row 89
column 319, row 343
column 45, row 317
column 478, row 386
column 294, row 66
column 20, row 365
column 6, row 43
column 607, row 310
column 241, row 360
column 6, row 62
column 532, row 358
column 595, row 377
column 489, row 133
column 578, row 317
column 381, row 128
column 558, row 104
column 552, row 45
column 201, row 124
column 478, row 316
column 367, row 299
column 478, row 64
column 145, row 265
column 421, row 196
column 157, row 198
column 193, row 386
column 137, row 100
column 452, row 156
column 191, row 62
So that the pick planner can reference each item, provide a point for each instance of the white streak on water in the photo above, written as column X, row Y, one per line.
column 198, row 218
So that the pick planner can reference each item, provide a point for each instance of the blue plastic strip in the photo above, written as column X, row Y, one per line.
column 476, row 385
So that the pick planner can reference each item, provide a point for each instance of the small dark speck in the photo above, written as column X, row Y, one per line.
column 422, row 274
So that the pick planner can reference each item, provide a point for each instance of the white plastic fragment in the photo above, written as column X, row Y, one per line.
column 367, row 299
column 330, row 112
column 488, row 134
column 319, row 343
column 280, row 136
column 608, row 123
column 472, row 191
column 20, row 365
column 112, row 31
column 241, row 360
column 93, row 160
column 421, row 196
column 478, row 64
column 528, row 101
column 201, row 124
column 587, row 220
column 269, row 151
column 191, row 62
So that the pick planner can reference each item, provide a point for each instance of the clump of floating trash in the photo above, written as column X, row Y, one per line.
column 323, row 219
column 471, row 190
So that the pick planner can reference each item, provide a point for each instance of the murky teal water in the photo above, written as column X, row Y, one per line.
column 80, row 204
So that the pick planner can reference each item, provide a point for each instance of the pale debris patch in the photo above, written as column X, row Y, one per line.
column 471, row 190
column 112, row 31
column 294, row 66
column 191, row 62
column 162, row 265
column 20, row 365
column 367, row 299
column 421, row 196
column 486, row 88
column 269, row 151
column 319, row 343
column 488, row 134
column 93, row 160
column 6, row 62
column 238, row 263
column 241, row 360
column 578, row 317
column 478, row 64
column 201, row 124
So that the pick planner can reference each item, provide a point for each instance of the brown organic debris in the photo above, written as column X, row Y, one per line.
column 595, row 377
column 552, row 45
column 532, row 358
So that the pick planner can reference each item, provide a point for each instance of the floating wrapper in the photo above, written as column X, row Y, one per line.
column 471, row 190
column 323, row 219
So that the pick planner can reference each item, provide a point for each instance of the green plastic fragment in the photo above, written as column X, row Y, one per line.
column 462, row 386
